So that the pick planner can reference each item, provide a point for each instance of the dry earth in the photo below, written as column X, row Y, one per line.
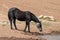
column 44, row 7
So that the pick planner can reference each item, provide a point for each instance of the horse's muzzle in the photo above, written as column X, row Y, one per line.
column 40, row 29
column 39, row 26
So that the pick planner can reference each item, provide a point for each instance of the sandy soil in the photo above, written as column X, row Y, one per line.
column 6, row 33
column 14, row 38
column 45, row 7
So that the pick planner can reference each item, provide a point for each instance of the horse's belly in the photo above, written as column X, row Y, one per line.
column 21, row 19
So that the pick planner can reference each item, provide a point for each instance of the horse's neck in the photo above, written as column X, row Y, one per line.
column 35, row 19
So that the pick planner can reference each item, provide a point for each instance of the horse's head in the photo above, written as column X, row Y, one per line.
column 39, row 26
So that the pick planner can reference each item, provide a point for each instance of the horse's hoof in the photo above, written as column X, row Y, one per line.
column 11, row 28
column 16, row 28
column 29, row 31
column 24, row 30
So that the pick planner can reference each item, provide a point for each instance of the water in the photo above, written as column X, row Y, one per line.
column 51, row 37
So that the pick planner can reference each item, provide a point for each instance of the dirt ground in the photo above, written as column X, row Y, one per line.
column 44, row 7
column 14, row 38
column 7, row 34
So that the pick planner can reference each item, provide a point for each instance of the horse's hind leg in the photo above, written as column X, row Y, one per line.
column 11, row 24
column 10, row 20
column 14, row 21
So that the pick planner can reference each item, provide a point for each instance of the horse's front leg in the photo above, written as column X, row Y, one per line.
column 27, row 25
column 25, row 28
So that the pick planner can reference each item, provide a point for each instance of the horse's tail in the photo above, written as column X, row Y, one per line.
column 11, row 14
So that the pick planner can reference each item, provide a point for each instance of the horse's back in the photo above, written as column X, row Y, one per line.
column 15, row 12
column 20, row 15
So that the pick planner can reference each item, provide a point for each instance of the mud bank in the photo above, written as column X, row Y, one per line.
column 14, row 38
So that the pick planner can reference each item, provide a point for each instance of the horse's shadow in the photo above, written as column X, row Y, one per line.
column 30, row 33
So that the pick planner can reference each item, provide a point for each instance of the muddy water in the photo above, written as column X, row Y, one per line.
column 51, row 37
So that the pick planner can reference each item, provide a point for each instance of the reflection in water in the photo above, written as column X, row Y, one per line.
column 51, row 37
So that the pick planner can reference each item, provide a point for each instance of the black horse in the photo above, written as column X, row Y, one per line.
column 15, row 13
